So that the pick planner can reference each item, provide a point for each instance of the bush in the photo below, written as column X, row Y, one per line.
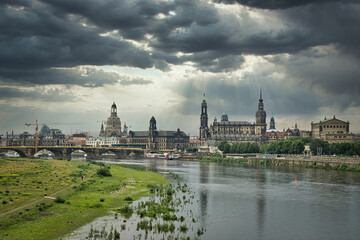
column 104, row 172
column 96, row 205
column 59, row 199
column 183, row 228
column 128, row 198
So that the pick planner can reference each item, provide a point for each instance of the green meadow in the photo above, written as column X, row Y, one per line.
column 50, row 198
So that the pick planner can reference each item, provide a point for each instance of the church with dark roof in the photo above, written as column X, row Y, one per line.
column 157, row 140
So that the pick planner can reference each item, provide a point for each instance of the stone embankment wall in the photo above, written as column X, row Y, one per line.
column 331, row 161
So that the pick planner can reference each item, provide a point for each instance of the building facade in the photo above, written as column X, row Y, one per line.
column 239, row 131
column 102, row 141
column 46, row 137
column 332, row 130
column 158, row 140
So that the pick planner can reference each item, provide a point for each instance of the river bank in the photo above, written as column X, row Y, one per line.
column 316, row 162
column 86, row 196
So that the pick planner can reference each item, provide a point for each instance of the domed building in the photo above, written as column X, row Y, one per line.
column 113, row 124
column 45, row 131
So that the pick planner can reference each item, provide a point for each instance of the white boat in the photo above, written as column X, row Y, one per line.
column 168, row 156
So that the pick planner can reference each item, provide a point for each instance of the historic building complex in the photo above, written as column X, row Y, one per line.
column 46, row 137
column 332, row 130
column 233, row 131
column 156, row 140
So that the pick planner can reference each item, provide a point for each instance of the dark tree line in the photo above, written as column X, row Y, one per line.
column 294, row 146
column 349, row 149
column 288, row 146
column 239, row 147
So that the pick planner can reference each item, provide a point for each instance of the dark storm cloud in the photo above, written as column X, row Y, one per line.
column 279, row 4
column 47, row 95
column 332, row 74
column 39, row 36
column 81, row 76
column 334, row 23
column 240, row 97
column 86, row 76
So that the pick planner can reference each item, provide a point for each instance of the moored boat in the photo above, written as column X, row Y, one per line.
column 168, row 156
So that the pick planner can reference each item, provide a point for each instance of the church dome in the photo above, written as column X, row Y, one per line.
column 45, row 131
column 113, row 105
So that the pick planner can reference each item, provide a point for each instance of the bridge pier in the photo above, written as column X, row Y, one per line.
column 66, row 153
column 30, row 152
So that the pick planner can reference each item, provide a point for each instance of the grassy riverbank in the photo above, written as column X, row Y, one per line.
column 78, row 200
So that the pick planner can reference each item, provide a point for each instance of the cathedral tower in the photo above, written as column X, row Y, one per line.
column 204, row 130
column 260, row 118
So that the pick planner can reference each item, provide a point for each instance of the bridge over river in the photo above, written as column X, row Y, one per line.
column 64, row 152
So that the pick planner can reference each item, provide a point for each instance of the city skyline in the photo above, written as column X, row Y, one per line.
column 67, row 62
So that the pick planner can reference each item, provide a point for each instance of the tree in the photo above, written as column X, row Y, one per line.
column 319, row 144
column 222, row 145
column 297, row 147
column 226, row 147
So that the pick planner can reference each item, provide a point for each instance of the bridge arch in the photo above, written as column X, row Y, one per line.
column 57, row 153
column 21, row 152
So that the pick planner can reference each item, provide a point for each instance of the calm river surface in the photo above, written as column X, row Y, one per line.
column 241, row 202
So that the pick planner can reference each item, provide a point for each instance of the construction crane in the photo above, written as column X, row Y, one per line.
column 36, row 124
column 36, row 132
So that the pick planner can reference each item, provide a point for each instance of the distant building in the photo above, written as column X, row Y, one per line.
column 46, row 137
column 240, row 131
column 102, row 141
column 332, row 130
column 194, row 141
column 289, row 133
column 77, row 139
column 113, row 125
column 156, row 140
column 273, row 134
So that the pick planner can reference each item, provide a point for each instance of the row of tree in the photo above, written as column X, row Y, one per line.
column 294, row 146
column 239, row 147
column 289, row 146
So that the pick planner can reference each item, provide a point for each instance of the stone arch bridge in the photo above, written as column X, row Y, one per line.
column 64, row 152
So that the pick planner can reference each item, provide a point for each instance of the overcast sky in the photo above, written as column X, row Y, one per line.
column 65, row 62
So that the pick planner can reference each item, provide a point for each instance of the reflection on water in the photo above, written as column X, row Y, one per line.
column 242, row 202
column 260, row 201
column 203, row 192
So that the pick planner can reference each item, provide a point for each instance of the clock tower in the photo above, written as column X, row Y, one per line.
column 260, row 118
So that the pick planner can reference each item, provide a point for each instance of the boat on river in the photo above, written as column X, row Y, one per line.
column 155, row 155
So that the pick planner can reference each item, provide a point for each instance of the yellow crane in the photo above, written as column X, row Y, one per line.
column 36, row 132
column 36, row 124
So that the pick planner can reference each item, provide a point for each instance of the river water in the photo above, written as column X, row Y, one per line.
column 254, row 202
